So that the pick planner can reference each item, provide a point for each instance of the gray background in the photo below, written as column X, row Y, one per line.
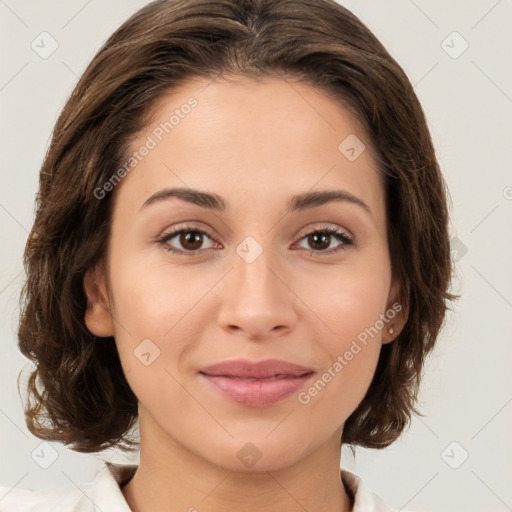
column 467, row 96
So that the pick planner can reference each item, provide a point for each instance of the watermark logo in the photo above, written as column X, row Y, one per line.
column 454, row 45
column 44, row 455
column 352, row 147
column 454, row 455
column 146, row 352
column 249, row 249
column 45, row 45
column 249, row 455
column 457, row 249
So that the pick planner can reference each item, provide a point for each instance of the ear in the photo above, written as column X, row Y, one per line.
column 397, row 312
column 98, row 318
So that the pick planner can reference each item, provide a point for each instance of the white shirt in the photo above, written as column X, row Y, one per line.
column 105, row 494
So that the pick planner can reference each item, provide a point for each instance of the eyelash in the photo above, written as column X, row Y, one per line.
column 339, row 235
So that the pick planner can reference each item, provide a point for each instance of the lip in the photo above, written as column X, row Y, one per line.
column 256, row 384
column 258, row 369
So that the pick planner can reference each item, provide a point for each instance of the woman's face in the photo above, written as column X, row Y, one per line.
column 255, row 279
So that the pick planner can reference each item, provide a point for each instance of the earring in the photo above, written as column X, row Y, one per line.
column 391, row 330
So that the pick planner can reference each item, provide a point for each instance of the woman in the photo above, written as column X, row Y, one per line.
column 241, row 244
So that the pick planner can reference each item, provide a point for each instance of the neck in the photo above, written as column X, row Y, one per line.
column 172, row 478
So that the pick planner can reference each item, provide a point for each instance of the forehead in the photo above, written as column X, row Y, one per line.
column 252, row 140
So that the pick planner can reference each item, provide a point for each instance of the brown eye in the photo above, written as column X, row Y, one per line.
column 187, row 240
column 320, row 240
column 190, row 240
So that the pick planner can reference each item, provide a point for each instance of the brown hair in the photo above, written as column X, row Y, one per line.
column 78, row 393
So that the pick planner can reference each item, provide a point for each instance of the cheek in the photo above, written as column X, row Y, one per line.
column 153, row 299
column 153, row 331
column 161, row 303
column 347, row 299
column 350, row 304
column 351, row 312
column 337, row 391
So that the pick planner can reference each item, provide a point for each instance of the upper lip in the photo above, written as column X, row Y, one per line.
column 258, row 370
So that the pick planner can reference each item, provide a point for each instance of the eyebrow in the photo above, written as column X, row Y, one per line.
column 296, row 203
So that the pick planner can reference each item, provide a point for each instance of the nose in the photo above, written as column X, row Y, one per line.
column 257, row 300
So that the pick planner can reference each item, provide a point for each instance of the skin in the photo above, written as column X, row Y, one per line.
column 255, row 144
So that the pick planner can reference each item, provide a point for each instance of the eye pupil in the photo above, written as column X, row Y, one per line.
column 323, row 237
column 191, row 240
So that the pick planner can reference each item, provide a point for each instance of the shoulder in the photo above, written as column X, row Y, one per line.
column 103, row 493
column 365, row 500
column 48, row 500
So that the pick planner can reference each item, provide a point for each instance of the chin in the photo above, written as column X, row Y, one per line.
column 260, row 454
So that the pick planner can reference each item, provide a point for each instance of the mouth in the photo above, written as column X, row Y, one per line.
column 254, row 379
column 256, row 384
column 245, row 369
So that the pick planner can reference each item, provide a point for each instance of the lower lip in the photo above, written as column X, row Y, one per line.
column 256, row 393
